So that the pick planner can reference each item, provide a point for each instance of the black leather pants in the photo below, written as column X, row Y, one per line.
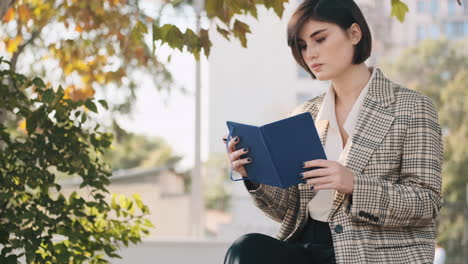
column 315, row 245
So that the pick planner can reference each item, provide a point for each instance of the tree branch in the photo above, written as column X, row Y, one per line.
column 4, row 6
column 14, row 59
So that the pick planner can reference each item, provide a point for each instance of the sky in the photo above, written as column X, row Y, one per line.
column 171, row 117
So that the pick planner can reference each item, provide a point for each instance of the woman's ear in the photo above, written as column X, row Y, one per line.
column 355, row 33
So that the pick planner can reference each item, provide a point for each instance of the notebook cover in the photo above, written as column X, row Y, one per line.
column 262, row 168
column 278, row 149
column 292, row 141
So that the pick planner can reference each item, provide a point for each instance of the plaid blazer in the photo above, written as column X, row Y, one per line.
column 396, row 158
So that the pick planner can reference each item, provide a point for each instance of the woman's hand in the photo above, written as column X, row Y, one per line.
column 330, row 175
column 237, row 164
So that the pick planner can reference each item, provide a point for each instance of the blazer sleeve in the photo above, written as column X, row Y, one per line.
column 414, row 200
column 273, row 201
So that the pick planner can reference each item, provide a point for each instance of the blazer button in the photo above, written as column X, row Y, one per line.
column 338, row 229
column 361, row 213
column 376, row 219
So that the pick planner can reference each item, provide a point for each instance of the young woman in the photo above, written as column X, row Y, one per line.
column 376, row 198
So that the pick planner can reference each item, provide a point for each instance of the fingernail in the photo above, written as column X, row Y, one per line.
column 236, row 139
column 312, row 187
column 301, row 175
column 224, row 139
column 245, row 149
column 303, row 164
column 304, row 181
column 249, row 159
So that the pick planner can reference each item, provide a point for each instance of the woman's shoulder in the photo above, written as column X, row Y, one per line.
column 312, row 105
column 410, row 99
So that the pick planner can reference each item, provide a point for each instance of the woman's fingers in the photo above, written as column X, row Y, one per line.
column 236, row 154
column 232, row 144
column 317, row 163
column 315, row 173
column 240, row 162
column 319, row 180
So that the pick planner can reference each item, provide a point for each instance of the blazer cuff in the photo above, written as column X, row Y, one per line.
column 251, row 185
column 360, row 206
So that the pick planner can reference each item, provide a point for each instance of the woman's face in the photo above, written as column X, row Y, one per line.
column 326, row 48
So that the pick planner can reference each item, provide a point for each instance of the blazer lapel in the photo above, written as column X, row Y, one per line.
column 373, row 124
column 322, row 129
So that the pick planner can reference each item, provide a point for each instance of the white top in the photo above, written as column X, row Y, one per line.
column 320, row 206
column 440, row 256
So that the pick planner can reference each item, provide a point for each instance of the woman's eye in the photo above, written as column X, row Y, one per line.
column 320, row 40
column 302, row 47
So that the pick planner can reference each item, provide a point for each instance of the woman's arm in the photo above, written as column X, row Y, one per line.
column 415, row 199
column 271, row 200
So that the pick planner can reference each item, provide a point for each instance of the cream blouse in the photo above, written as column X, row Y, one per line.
column 320, row 206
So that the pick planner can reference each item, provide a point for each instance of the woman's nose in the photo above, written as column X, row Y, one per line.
column 311, row 53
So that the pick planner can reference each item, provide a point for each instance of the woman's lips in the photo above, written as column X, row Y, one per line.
column 316, row 66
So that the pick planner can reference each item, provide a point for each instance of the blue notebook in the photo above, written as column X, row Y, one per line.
column 278, row 149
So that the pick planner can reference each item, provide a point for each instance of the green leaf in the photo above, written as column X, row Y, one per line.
column 104, row 104
column 205, row 41
column 223, row 32
column 48, row 96
column 4, row 237
column 38, row 82
column 32, row 121
column 138, row 200
column 399, row 10
column 90, row 105
column 12, row 259
column 148, row 223
column 240, row 30
column 175, row 38
column 122, row 201
column 214, row 8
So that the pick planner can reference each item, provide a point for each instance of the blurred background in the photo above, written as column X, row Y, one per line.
column 172, row 155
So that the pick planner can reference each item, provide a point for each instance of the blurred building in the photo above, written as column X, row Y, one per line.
column 161, row 189
column 430, row 19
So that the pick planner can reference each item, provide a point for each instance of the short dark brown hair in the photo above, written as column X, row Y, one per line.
column 340, row 12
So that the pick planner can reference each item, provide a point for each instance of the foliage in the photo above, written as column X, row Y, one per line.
column 38, row 222
column 437, row 68
column 216, row 193
column 95, row 44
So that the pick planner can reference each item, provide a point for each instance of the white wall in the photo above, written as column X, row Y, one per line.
column 174, row 252
column 256, row 85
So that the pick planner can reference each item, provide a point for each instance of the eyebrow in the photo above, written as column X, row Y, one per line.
column 315, row 33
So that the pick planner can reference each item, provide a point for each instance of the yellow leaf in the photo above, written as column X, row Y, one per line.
column 12, row 44
column 399, row 10
column 76, row 94
column 24, row 13
column 10, row 14
column 22, row 127
column 100, row 78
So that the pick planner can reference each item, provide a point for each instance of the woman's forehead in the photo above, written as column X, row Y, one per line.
column 312, row 27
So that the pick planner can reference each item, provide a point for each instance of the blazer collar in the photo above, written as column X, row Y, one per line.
column 381, row 91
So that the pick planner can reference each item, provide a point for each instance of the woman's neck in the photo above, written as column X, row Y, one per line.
column 350, row 83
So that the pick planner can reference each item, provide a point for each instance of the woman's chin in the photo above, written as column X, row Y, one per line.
column 322, row 76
